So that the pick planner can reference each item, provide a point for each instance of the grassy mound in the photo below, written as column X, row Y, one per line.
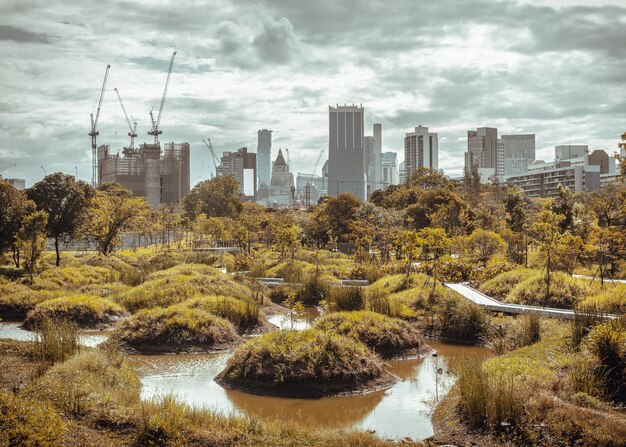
column 25, row 422
column 500, row 286
column 84, row 310
column 17, row 300
column 176, row 329
column 244, row 314
column 73, row 278
column 168, row 287
column 389, row 337
column 308, row 363
column 565, row 291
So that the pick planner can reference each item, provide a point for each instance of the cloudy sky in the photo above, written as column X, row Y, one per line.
column 556, row 68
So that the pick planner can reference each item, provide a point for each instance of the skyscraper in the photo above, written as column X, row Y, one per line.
column 242, row 166
column 515, row 153
column 482, row 149
column 264, row 157
column 421, row 150
column 346, row 159
column 389, row 169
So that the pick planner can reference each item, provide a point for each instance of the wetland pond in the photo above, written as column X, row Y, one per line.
column 402, row 410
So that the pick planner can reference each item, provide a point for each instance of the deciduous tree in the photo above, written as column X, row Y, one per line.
column 14, row 207
column 32, row 238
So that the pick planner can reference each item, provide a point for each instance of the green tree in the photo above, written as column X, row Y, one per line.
column 434, row 243
column 563, row 204
column 66, row 201
column 14, row 207
column 515, row 204
column 549, row 238
column 336, row 215
column 32, row 238
column 483, row 245
column 218, row 197
column 288, row 240
column 113, row 211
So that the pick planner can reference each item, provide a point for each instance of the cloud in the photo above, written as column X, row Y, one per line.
column 8, row 32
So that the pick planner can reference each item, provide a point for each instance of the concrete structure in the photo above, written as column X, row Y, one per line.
column 482, row 148
column 17, row 183
column 515, row 153
column 264, row 158
column 389, row 169
column 346, row 155
column 421, row 150
column 160, row 177
column 282, row 188
column 569, row 151
column 242, row 166
column 601, row 158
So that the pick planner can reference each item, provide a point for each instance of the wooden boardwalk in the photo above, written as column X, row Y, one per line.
column 488, row 303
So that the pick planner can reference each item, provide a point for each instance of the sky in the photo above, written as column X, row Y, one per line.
column 555, row 68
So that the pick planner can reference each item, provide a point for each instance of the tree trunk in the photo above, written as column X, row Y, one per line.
column 56, row 249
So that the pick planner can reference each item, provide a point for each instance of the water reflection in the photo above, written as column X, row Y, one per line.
column 15, row 332
column 283, row 322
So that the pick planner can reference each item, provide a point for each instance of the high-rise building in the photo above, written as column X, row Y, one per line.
column 346, row 158
column 282, row 189
column 515, row 153
column 569, row 151
column 242, row 166
column 159, row 177
column 482, row 149
column 402, row 173
column 421, row 150
column 389, row 169
column 376, row 159
column 264, row 157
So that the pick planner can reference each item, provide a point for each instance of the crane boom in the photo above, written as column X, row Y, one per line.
column 210, row 146
column 132, row 129
column 155, row 124
column 4, row 168
column 94, row 131
column 317, row 162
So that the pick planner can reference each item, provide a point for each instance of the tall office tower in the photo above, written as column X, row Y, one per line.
column 482, row 149
column 421, row 150
column 242, row 166
column 515, row 153
column 346, row 158
column 389, row 169
column 264, row 157
column 569, row 151
column 376, row 161
column 368, row 158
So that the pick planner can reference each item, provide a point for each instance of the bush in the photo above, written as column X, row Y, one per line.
column 57, row 340
column 500, row 286
column 89, row 384
column 565, row 291
column 345, row 298
column 303, row 363
column 28, row 423
column 607, row 342
column 316, row 288
column 610, row 300
column 84, row 310
column 531, row 329
column 175, row 329
column 387, row 336
column 243, row 314
column 461, row 320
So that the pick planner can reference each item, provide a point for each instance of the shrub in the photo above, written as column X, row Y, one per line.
column 610, row 300
column 84, row 310
column 565, row 291
column 303, row 363
column 585, row 317
column 176, row 328
column 387, row 336
column 607, row 342
column 345, row 298
column 88, row 384
column 500, row 286
column 244, row 314
column 460, row 320
column 531, row 329
column 28, row 422
column 316, row 288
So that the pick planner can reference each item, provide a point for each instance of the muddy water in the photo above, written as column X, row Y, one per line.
column 305, row 322
column 15, row 332
column 403, row 410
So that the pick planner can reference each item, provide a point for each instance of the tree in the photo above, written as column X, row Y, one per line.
column 288, row 240
column 113, row 211
column 434, row 243
column 66, row 201
column 218, row 197
column 336, row 215
column 32, row 238
column 428, row 178
column 515, row 203
column 14, row 207
column 483, row 245
column 549, row 237
column 563, row 204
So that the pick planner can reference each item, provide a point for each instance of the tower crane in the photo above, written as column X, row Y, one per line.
column 132, row 134
column 210, row 146
column 155, row 124
column 7, row 167
column 94, row 132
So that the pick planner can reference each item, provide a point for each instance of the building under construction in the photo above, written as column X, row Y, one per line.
column 160, row 177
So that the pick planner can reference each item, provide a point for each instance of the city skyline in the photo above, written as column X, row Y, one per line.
column 279, row 65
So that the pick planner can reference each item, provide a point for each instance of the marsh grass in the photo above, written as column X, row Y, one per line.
column 460, row 320
column 244, row 314
column 56, row 341
column 531, row 329
column 84, row 310
column 585, row 317
column 28, row 422
column 345, row 299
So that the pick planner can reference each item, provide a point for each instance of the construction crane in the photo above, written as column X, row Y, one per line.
column 45, row 173
column 155, row 124
column 133, row 128
column 288, row 158
column 307, row 188
column 210, row 146
column 94, row 132
column 7, row 167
